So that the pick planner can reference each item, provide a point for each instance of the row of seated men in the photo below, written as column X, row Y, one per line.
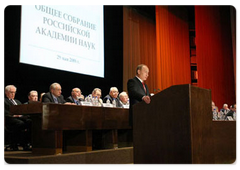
column 18, row 127
column 55, row 96
column 224, row 113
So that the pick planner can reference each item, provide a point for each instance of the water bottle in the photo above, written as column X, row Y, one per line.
column 215, row 115
column 234, row 115
column 108, row 102
column 86, row 99
column 95, row 101
column 220, row 115
column 90, row 99
column 114, row 103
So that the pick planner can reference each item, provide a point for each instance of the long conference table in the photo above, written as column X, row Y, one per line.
column 58, row 127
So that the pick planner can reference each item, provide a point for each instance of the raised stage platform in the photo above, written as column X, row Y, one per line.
column 107, row 156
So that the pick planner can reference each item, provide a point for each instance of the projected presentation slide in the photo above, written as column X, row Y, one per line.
column 68, row 38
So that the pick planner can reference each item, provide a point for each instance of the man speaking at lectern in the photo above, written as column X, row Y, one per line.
column 137, row 90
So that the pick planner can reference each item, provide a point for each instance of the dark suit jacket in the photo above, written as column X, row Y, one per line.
column 230, row 113
column 118, row 104
column 48, row 98
column 71, row 100
column 136, row 93
column 7, row 105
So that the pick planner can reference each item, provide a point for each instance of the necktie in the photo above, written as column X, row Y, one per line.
column 77, row 102
column 55, row 100
column 144, row 87
column 13, row 102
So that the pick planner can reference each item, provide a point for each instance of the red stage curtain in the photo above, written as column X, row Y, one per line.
column 214, row 52
column 173, row 49
column 233, row 29
column 139, row 46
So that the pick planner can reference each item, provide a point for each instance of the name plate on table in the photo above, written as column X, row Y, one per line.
column 107, row 105
column 83, row 103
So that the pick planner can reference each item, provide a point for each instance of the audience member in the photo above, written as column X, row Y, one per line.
column 113, row 96
column 213, row 106
column 232, row 112
column 223, row 112
column 54, row 95
column 19, row 125
column 214, row 112
column 216, row 108
column 32, row 96
column 225, row 108
column 75, row 96
column 124, row 98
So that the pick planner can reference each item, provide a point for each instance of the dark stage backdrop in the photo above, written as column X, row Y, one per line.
column 27, row 77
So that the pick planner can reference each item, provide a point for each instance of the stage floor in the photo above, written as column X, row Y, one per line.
column 107, row 156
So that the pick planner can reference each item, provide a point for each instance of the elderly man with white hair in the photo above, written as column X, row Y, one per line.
column 225, row 109
column 55, row 95
column 124, row 98
column 113, row 96
column 223, row 112
column 18, row 124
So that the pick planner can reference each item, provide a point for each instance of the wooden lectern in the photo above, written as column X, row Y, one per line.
column 176, row 127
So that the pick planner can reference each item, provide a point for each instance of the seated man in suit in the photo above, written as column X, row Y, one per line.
column 124, row 98
column 75, row 96
column 54, row 96
column 32, row 96
column 223, row 112
column 225, row 109
column 18, row 124
column 113, row 95
column 232, row 112
column 96, row 93
column 137, row 90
